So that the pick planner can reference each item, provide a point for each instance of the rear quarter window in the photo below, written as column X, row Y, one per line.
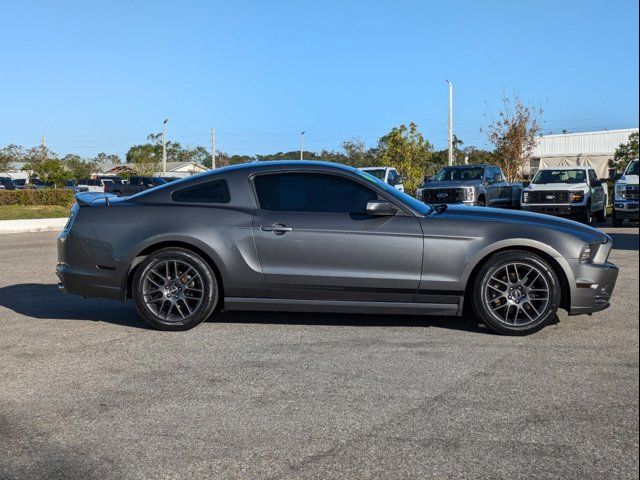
column 216, row 191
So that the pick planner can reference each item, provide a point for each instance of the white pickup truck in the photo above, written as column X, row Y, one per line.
column 572, row 191
column 625, row 205
column 387, row 174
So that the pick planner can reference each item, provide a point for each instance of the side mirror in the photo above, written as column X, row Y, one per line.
column 381, row 208
column 399, row 180
column 596, row 183
column 427, row 179
column 497, row 178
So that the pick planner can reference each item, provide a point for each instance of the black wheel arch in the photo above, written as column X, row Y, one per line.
column 137, row 260
column 565, row 293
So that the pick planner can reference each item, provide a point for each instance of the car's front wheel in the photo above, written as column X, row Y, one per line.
column 174, row 289
column 516, row 293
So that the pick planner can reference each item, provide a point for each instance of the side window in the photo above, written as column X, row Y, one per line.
column 488, row 174
column 210, row 192
column 311, row 192
column 391, row 180
column 593, row 178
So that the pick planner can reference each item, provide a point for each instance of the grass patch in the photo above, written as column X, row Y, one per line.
column 21, row 212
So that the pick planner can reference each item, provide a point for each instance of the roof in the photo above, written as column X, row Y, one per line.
column 603, row 142
column 568, row 167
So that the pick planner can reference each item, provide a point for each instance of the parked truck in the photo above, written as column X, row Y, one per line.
column 135, row 185
column 625, row 205
column 477, row 184
column 570, row 191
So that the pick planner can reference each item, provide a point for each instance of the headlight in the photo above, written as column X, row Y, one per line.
column 620, row 189
column 589, row 252
column 577, row 197
column 525, row 197
column 469, row 194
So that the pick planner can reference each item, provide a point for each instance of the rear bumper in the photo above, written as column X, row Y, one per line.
column 85, row 284
column 593, row 287
column 559, row 210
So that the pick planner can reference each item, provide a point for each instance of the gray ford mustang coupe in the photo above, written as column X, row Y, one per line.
column 321, row 237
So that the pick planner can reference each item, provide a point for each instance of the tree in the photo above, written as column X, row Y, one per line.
column 10, row 155
column 38, row 154
column 51, row 171
column 357, row 155
column 102, row 159
column 407, row 150
column 77, row 167
column 513, row 133
column 625, row 153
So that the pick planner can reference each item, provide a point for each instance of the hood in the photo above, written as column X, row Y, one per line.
column 451, row 184
column 629, row 179
column 535, row 220
column 576, row 187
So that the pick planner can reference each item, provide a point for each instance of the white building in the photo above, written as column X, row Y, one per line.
column 594, row 149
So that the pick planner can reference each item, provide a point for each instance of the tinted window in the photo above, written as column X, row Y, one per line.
column 312, row 192
column 210, row 192
column 593, row 178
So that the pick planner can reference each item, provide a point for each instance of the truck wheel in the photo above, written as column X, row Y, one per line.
column 601, row 216
column 117, row 192
column 585, row 215
column 617, row 222
column 481, row 201
column 516, row 293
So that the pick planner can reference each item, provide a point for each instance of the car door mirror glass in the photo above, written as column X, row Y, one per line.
column 380, row 208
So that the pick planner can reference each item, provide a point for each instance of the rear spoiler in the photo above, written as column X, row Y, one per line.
column 87, row 198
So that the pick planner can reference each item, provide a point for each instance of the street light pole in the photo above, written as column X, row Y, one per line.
column 213, row 149
column 450, row 152
column 302, row 145
column 164, row 147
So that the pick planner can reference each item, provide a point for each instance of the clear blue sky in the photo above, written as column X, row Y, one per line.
column 99, row 76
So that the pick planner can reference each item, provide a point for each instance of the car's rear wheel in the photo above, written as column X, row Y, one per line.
column 481, row 201
column 174, row 289
column 617, row 221
column 516, row 293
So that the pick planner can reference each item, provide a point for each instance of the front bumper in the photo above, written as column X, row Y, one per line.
column 626, row 210
column 593, row 287
column 564, row 210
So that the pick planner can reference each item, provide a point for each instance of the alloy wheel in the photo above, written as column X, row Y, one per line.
column 517, row 294
column 172, row 290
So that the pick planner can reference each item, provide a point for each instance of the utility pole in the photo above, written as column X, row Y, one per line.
column 302, row 145
column 213, row 149
column 164, row 147
column 450, row 122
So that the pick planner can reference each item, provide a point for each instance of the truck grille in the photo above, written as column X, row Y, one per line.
column 631, row 192
column 445, row 195
column 549, row 197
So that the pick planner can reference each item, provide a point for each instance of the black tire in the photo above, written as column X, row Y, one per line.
column 481, row 201
column 117, row 192
column 601, row 215
column 187, row 273
column 482, row 291
column 584, row 216
column 617, row 222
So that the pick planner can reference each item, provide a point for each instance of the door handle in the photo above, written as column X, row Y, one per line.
column 277, row 228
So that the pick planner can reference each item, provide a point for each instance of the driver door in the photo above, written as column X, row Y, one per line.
column 315, row 241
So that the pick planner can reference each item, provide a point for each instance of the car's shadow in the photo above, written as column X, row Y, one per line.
column 44, row 301
column 625, row 240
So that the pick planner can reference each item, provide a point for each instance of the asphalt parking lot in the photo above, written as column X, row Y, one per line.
column 86, row 391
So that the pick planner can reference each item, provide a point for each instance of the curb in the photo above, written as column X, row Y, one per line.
column 32, row 225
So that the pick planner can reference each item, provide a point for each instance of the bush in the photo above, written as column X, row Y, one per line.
column 46, row 196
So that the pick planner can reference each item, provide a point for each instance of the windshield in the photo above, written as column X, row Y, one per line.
column 457, row 173
column 397, row 194
column 632, row 169
column 559, row 176
column 378, row 173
